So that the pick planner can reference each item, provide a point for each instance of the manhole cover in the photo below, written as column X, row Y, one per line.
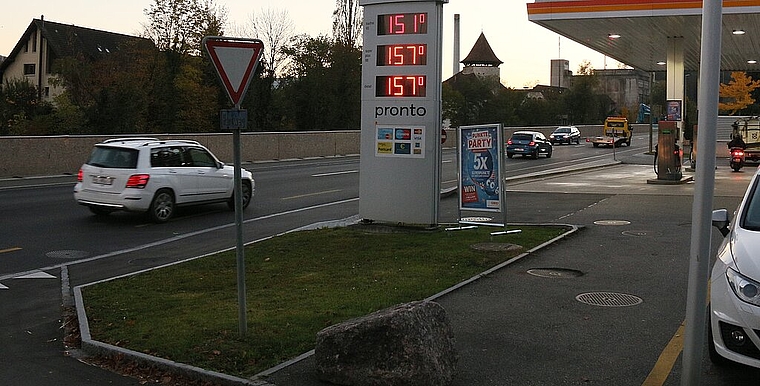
column 555, row 273
column 67, row 254
column 608, row 299
column 612, row 222
column 496, row 247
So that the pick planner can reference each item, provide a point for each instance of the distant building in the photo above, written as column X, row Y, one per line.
column 480, row 62
column 561, row 76
column 627, row 88
column 44, row 42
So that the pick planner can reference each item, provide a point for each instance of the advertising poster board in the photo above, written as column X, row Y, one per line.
column 480, row 168
column 674, row 109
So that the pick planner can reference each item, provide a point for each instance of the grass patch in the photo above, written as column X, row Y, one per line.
column 297, row 284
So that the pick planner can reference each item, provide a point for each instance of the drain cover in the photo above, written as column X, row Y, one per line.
column 608, row 299
column 555, row 273
column 67, row 254
column 612, row 222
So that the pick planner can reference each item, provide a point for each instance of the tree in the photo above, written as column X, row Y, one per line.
column 737, row 94
column 347, row 22
column 180, row 25
column 321, row 89
column 19, row 104
column 274, row 28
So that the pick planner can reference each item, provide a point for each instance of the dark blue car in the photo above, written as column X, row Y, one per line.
column 529, row 143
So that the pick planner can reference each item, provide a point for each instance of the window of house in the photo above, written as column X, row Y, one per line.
column 29, row 69
column 34, row 41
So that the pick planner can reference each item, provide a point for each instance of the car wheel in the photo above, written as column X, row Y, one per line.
column 535, row 154
column 162, row 207
column 510, row 155
column 549, row 154
column 247, row 194
column 98, row 211
column 596, row 145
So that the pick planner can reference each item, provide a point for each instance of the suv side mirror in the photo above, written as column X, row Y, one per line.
column 720, row 220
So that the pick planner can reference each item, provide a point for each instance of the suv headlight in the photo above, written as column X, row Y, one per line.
column 745, row 288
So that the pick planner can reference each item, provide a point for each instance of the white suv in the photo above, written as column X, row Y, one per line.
column 155, row 176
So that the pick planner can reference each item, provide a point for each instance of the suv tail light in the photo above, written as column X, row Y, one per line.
column 80, row 176
column 509, row 142
column 138, row 181
column 532, row 143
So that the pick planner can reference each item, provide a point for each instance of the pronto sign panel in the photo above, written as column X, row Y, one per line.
column 401, row 111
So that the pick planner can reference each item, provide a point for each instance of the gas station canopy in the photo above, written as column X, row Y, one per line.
column 635, row 32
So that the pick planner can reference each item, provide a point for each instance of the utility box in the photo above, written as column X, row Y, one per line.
column 668, row 153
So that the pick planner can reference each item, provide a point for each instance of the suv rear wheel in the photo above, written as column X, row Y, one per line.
column 162, row 207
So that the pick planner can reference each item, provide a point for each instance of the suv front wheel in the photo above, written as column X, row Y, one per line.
column 162, row 207
column 247, row 194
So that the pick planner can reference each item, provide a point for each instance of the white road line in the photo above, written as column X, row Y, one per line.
column 335, row 173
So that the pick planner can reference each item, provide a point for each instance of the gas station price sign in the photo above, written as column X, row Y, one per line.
column 402, row 23
column 401, row 110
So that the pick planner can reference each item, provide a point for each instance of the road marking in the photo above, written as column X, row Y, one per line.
column 311, row 194
column 2, row 287
column 181, row 237
column 667, row 359
column 36, row 275
column 14, row 249
column 335, row 173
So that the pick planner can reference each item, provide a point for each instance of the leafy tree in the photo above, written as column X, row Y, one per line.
column 180, row 25
column 737, row 94
column 322, row 86
column 18, row 103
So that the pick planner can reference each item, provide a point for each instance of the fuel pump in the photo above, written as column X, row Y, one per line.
column 667, row 154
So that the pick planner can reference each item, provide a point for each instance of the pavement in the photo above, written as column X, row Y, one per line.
column 534, row 321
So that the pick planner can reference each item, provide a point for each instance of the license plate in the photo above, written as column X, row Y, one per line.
column 100, row 180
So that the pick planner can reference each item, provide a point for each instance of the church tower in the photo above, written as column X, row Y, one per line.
column 481, row 60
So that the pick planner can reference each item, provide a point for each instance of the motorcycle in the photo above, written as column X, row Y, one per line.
column 737, row 158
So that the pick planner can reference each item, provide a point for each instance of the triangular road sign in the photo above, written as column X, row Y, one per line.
column 235, row 60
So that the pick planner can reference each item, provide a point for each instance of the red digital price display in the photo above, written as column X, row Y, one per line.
column 402, row 24
column 401, row 86
column 402, row 55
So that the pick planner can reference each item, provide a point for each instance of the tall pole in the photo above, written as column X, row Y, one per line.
column 699, row 262
column 239, row 248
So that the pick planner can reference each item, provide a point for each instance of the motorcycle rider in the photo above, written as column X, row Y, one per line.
column 736, row 140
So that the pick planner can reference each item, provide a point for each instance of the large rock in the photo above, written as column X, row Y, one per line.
column 408, row 344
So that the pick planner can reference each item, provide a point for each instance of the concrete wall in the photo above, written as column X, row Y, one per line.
column 56, row 155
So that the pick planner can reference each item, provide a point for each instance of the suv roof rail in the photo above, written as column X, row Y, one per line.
column 130, row 139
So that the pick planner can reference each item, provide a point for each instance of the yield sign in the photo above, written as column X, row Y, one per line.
column 235, row 60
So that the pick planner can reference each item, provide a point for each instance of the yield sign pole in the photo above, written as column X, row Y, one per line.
column 235, row 61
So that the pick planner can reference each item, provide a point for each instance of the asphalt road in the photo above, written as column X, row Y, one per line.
column 44, row 231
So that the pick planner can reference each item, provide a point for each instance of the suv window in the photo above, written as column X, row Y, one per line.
column 752, row 213
column 113, row 157
column 200, row 157
column 162, row 157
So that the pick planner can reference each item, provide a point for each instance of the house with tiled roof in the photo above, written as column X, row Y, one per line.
column 44, row 42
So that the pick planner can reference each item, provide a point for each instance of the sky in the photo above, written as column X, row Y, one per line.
column 525, row 48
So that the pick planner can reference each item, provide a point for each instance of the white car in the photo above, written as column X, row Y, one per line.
column 734, row 332
column 155, row 176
